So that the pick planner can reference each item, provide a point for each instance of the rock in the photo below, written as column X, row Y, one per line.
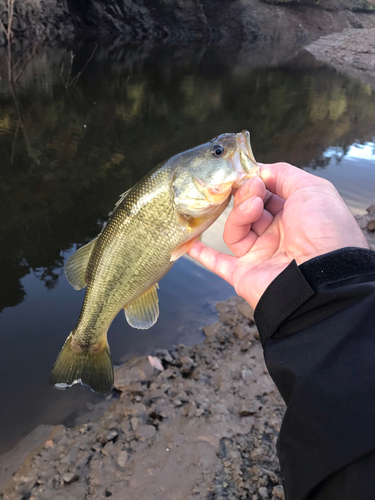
column 371, row 225
column 245, row 345
column 371, row 209
column 240, row 331
column 270, row 474
column 125, row 426
column 167, row 374
column 182, row 396
column 197, row 373
column 164, row 411
column 263, row 493
column 135, row 370
column 136, row 388
column 156, row 393
column 246, row 310
column 145, row 432
column 362, row 221
column 70, row 477
column 221, row 306
column 122, row 458
column 134, row 423
column 83, row 460
column 72, row 455
column 278, row 492
column 228, row 317
column 111, row 435
column 190, row 409
column 136, row 410
column 164, row 355
column 187, row 364
column 212, row 330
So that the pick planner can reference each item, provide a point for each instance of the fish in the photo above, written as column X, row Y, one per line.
column 152, row 225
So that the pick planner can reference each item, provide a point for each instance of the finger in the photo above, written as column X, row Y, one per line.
column 253, row 187
column 273, row 203
column 263, row 223
column 219, row 263
column 238, row 224
column 284, row 179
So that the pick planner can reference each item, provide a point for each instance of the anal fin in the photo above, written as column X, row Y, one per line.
column 75, row 268
column 144, row 312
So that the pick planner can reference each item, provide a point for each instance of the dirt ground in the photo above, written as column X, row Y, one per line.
column 203, row 427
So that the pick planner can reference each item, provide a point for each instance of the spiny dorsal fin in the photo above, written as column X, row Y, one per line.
column 144, row 312
column 75, row 268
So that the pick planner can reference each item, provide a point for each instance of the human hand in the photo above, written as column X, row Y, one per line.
column 284, row 215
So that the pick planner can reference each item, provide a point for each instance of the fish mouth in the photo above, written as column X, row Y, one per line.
column 243, row 161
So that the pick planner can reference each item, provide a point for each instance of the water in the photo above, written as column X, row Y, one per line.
column 87, row 128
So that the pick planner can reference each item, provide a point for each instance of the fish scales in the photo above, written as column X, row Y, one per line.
column 133, row 249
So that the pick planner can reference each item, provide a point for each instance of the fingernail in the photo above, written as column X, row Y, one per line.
column 246, row 204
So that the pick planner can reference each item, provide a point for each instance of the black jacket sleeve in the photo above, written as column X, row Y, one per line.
column 317, row 326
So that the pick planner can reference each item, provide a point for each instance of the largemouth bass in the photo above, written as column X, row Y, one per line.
column 152, row 225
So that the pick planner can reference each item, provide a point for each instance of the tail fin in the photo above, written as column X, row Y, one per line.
column 93, row 369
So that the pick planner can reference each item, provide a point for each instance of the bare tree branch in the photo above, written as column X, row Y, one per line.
column 25, row 63
column 76, row 78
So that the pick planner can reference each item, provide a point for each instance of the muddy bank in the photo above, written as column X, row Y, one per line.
column 203, row 427
column 185, row 20
column 351, row 52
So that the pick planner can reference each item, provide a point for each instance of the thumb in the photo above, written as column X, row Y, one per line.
column 284, row 179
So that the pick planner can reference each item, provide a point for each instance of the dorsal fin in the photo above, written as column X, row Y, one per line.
column 144, row 312
column 75, row 268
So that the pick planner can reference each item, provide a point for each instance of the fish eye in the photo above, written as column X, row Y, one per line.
column 217, row 149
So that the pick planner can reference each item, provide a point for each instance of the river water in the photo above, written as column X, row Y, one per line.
column 82, row 125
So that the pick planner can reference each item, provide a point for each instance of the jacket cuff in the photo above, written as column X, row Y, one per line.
column 297, row 284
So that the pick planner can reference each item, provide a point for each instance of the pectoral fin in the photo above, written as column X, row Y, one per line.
column 144, row 312
column 75, row 268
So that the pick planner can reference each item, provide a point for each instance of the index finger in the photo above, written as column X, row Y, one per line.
column 284, row 179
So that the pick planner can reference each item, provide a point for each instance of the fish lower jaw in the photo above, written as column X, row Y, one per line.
column 243, row 167
column 243, row 178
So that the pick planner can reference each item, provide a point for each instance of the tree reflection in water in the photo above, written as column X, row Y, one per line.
column 133, row 107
